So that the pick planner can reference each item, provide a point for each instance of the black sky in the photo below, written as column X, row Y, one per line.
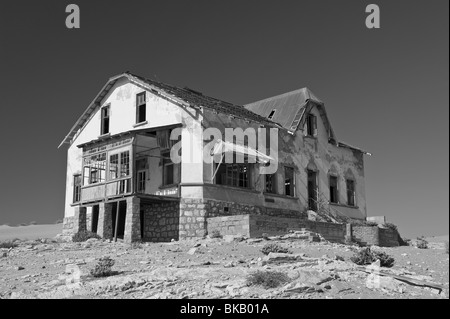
column 385, row 90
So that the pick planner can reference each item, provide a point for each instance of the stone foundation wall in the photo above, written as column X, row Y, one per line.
column 221, row 208
column 389, row 238
column 230, row 225
column 161, row 221
column 68, row 226
column 272, row 226
column 193, row 213
column 367, row 235
column 374, row 235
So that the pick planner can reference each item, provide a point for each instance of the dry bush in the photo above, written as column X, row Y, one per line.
column 421, row 243
column 274, row 248
column 8, row 244
column 267, row 279
column 104, row 268
column 366, row 256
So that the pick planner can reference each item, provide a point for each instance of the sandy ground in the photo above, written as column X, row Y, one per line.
column 213, row 268
column 29, row 232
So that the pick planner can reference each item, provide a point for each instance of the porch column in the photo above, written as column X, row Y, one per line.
column 132, row 220
column 104, row 228
column 79, row 220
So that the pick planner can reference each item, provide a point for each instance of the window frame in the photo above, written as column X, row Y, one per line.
column 334, row 194
column 273, row 183
column 166, row 162
column 139, row 106
column 311, row 125
column 293, row 183
column 140, row 183
column 104, row 118
column 77, row 188
column 353, row 195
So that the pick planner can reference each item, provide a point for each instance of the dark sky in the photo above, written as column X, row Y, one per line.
column 385, row 90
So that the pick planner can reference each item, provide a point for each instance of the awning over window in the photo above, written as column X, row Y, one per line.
column 222, row 147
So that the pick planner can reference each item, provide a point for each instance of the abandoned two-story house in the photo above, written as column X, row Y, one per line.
column 122, row 182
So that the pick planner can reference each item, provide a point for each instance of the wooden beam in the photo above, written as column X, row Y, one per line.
column 117, row 221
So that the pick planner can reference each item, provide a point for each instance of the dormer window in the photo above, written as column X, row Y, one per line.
column 141, row 108
column 270, row 117
column 105, row 112
column 311, row 125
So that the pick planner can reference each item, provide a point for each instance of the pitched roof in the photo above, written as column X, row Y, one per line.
column 288, row 108
column 184, row 96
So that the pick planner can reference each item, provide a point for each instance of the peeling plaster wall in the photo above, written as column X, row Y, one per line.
column 296, row 151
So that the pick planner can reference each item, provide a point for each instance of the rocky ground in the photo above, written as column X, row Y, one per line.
column 215, row 268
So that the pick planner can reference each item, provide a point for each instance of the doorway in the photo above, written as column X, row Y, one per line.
column 312, row 190
column 95, row 212
column 122, row 210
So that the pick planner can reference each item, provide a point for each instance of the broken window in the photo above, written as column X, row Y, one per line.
column 105, row 112
column 124, row 164
column 141, row 178
column 311, row 125
column 270, row 183
column 94, row 169
column 77, row 181
column 271, row 114
column 168, row 169
column 141, row 107
column 333, row 181
column 289, row 181
column 351, row 192
column 113, row 166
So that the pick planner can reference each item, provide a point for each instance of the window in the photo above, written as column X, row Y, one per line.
column 311, row 125
column 168, row 169
column 236, row 175
column 141, row 178
column 94, row 169
column 351, row 192
column 271, row 184
column 333, row 189
column 113, row 166
column 271, row 114
column 141, row 107
column 289, row 181
column 77, row 188
column 119, row 165
column 124, row 164
column 105, row 112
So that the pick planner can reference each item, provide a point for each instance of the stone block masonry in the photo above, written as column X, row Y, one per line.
column 161, row 221
column 132, row 220
column 104, row 228
column 230, row 225
column 193, row 213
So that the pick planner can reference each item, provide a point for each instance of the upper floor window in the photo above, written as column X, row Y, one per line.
column 119, row 165
column 351, row 192
column 311, row 125
column 105, row 113
column 141, row 108
column 271, row 115
column 141, row 179
column 333, row 181
column 289, row 181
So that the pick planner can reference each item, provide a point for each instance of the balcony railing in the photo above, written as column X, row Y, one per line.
column 109, row 189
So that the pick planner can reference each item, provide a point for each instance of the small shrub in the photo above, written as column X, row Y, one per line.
column 390, row 226
column 265, row 236
column 83, row 236
column 32, row 223
column 421, row 243
column 215, row 234
column 370, row 224
column 446, row 247
column 104, row 268
column 136, row 245
column 8, row 244
column 274, row 248
column 267, row 279
column 366, row 256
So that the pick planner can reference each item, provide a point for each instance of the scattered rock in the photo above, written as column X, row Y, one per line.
column 375, row 281
column 192, row 251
